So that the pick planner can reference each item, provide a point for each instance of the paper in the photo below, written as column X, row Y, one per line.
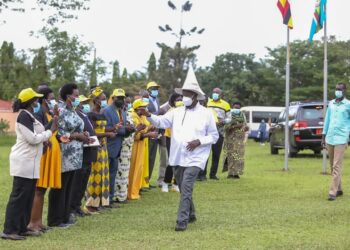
column 96, row 143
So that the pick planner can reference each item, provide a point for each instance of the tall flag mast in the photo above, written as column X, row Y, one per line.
column 319, row 21
column 284, row 7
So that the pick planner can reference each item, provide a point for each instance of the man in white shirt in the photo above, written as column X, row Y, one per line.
column 193, row 132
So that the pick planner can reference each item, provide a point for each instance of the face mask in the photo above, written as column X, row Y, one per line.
column 36, row 109
column 154, row 93
column 76, row 102
column 119, row 103
column 145, row 99
column 179, row 104
column 235, row 111
column 103, row 104
column 129, row 106
column 187, row 101
column 216, row 96
column 51, row 104
column 86, row 108
column 338, row 94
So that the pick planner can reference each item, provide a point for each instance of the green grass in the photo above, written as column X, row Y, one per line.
column 266, row 209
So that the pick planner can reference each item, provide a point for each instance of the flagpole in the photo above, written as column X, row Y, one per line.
column 325, row 83
column 286, row 126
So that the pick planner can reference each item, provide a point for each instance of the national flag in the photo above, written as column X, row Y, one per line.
column 318, row 19
column 284, row 7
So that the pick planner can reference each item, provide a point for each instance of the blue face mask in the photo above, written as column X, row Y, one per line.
column 235, row 111
column 338, row 94
column 76, row 102
column 216, row 96
column 154, row 93
column 104, row 104
column 145, row 99
column 51, row 104
column 36, row 109
column 86, row 108
column 129, row 106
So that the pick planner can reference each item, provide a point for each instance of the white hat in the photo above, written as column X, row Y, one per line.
column 191, row 84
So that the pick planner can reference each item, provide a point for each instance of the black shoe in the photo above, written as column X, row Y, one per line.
column 339, row 193
column 151, row 186
column 12, row 237
column 230, row 177
column 142, row 190
column 236, row 176
column 180, row 226
column 214, row 178
column 192, row 219
column 33, row 233
column 331, row 198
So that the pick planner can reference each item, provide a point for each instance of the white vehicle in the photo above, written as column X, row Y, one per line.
column 254, row 116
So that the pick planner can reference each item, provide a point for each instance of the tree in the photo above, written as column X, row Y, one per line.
column 61, row 10
column 152, row 67
column 178, row 56
column 116, row 73
column 124, row 78
column 39, row 67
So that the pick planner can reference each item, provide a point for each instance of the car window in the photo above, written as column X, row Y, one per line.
column 311, row 113
column 292, row 114
column 258, row 116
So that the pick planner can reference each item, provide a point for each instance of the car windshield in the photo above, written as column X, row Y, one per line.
column 311, row 113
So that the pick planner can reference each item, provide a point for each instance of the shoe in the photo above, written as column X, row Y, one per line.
column 192, row 219
column 175, row 188
column 79, row 213
column 214, row 178
column 339, row 193
column 142, row 190
column 180, row 226
column 165, row 187
column 34, row 233
column 63, row 225
column 121, row 202
column 45, row 229
column 236, row 176
column 112, row 205
column 12, row 237
column 151, row 186
column 230, row 177
column 331, row 197
column 90, row 210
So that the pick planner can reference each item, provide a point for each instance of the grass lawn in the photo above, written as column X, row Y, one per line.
column 266, row 209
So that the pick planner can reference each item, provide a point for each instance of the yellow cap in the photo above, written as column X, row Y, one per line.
column 83, row 98
column 152, row 84
column 28, row 94
column 118, row 92
column 139, row 103
column 96, row 92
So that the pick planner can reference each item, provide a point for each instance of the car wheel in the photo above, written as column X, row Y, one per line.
column 273, row 150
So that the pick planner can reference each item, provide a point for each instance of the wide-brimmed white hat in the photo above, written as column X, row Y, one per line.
column 191, row 84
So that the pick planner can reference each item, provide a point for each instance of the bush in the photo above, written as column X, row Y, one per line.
column 4, row 126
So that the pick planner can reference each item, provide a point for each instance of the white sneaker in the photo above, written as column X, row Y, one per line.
column 165, row 188
column 175, row 188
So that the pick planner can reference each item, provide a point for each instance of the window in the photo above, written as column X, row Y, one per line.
column 311, row 113
column 258, row 116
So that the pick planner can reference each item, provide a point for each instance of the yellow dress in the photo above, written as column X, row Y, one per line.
column 139, row 159
column 145, row 169
column 50, row 164
column 98, row 185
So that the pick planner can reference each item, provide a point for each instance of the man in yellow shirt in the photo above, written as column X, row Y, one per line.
column 222, row 109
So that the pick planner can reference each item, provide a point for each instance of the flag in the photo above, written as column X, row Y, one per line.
column 318, row 19
column 284, row 7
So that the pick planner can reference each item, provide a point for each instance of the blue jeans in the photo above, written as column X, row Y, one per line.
column 113, row 168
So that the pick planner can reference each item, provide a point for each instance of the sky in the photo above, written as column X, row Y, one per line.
column 127, row 31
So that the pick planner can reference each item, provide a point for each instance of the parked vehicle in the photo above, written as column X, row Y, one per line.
column 305, row 128
column 254, row 116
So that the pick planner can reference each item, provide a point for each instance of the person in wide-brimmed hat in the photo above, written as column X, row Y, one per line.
column 193, row 132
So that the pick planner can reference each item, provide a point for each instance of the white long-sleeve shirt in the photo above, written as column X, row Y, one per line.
column 188, row 125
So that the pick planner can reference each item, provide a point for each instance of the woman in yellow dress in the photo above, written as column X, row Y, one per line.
column 138, row 174
column 98, row 184
column 50, row 164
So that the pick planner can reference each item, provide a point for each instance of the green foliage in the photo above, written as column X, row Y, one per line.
column 116, row 73
column 152, row 67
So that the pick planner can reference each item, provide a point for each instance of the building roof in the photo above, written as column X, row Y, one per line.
column 5, row 105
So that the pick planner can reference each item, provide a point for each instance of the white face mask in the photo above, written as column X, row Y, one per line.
column 187, row 101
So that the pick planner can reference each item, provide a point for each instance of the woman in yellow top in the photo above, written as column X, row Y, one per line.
column 139, row 159
column 50, row 164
